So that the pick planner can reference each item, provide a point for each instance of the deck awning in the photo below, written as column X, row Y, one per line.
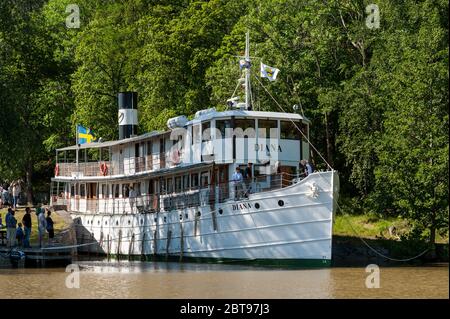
column 112, row 143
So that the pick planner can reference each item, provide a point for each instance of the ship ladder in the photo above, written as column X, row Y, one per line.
column 169, row 236
column 155, row 243
column 108, row 247
column 131, row 247
column 143, row 247
column 196, row 222
column 181, row 241
column 100, row 244
column 118, row 244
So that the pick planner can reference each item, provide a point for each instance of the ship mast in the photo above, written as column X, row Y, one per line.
column 247, row 71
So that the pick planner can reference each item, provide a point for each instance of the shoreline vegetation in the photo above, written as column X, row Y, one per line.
column 376, row 93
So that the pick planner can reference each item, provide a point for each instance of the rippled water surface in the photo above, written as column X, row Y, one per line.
column 101, row 279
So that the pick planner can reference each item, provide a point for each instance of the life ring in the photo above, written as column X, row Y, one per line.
column 104, row 169
column 175, row 156
column 56, row 170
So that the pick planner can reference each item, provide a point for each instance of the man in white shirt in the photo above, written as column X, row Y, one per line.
column 237, row 179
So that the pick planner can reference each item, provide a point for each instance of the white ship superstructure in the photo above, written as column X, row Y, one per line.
column 173, row 193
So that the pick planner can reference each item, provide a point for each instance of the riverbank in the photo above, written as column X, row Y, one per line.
column 367, row 238
column 60, row 223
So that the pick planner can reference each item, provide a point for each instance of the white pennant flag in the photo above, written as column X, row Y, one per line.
column 269, row 72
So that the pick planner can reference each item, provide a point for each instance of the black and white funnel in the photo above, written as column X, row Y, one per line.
column 128, row 119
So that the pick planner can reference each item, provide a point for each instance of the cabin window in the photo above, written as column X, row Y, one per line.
column 163, row 185
column 264, row 128
column 149, row 148
column 136, row 150
column 162, row 146
column 178, row 184
column 245, row 124
column 137, row 188
column 105, row 190
column 170, row 185
column 82, row 190
column 151, row 187
column 72, row 190
column 289, row 131
column 196, row 134
column 194, row 180
column 116, row 190
column 221, row 126
column 125, row 191
column 186, row 182
column 206, row 135
column 205, row 179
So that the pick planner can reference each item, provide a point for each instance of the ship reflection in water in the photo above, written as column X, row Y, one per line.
column 132, row 279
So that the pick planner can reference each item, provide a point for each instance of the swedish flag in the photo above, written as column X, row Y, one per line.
column 85, row 135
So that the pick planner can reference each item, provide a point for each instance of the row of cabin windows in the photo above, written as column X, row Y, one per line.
column 169, row 185
column 288, row 130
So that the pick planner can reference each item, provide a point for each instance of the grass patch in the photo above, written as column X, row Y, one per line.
column 373, row 226
column 59, row 223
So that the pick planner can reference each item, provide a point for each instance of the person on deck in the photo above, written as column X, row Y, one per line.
column 308, row 168
column 237, row 181
column 19, row 235
column 26, row 221
column 248, row 174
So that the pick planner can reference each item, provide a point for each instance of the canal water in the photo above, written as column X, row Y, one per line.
column 123, row 279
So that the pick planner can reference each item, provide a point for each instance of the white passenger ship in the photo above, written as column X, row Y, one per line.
column 172, row 194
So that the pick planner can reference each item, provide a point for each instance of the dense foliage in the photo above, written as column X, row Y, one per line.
column 377, row 97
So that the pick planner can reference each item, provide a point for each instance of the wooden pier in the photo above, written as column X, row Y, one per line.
column 38, row 257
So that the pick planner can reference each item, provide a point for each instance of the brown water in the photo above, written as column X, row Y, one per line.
column 173, row 280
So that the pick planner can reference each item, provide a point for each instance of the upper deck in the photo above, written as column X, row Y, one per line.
column 234, row 136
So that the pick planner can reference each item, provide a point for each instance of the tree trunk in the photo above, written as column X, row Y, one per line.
column 328, row 141
column 432, row 241
column 29, row 174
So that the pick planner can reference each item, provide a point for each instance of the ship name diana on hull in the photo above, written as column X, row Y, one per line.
column 241, row 206
column 268, row 148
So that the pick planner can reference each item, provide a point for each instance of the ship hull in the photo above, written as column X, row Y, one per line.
column 288, row 226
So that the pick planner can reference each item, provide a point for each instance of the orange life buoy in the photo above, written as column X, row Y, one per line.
column 56, row 170
column 104, row 169
column 175, row 156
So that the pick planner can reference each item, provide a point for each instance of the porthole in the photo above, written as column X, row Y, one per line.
column 186, row 216
column 106, row 222
column 155, row 220
column 129, row 222
column 257, row 206
column 181, row 216
column 281, row 203
column 117, row 223
column 98, row 223
column 221, row 211
column 165, row 218
column 199, row 214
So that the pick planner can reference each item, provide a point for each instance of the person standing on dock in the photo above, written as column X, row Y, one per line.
column 50, row 230
column 26, row 221
column 42, row 226
column 15, row 194
column 11, row 223
column 19, row 235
